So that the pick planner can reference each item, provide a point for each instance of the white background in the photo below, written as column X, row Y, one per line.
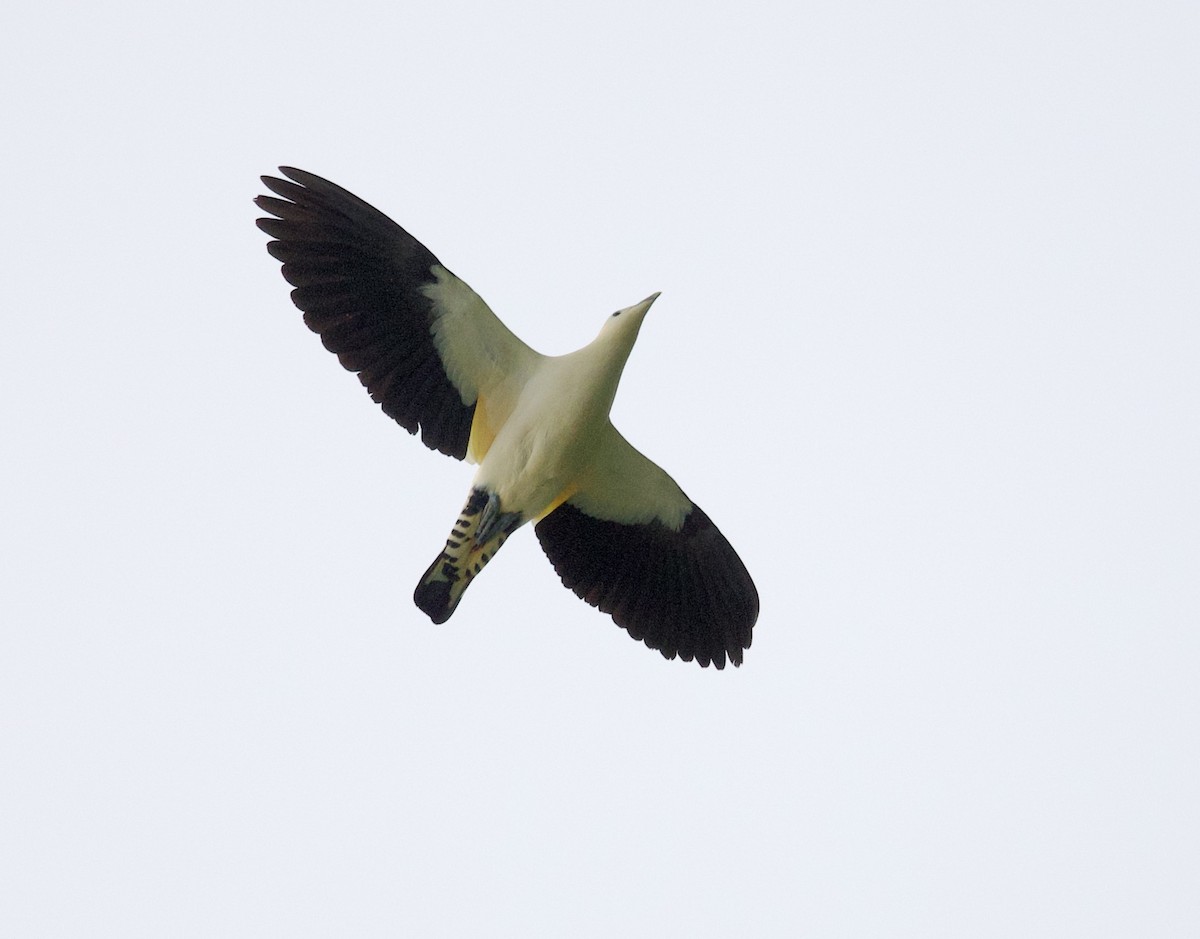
column 927, row 351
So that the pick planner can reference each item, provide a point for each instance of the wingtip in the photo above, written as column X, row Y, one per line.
column 309, row 180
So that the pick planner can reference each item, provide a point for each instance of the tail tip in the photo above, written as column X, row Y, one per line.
column 432, row 597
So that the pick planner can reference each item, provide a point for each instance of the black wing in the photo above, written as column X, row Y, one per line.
column 375, row 294
column 683, row 592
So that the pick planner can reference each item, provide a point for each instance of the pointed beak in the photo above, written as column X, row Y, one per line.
column 642, row 307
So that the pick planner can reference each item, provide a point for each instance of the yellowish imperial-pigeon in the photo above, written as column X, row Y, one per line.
column 618, row 530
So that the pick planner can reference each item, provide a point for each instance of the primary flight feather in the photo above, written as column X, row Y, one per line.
column 618, row 530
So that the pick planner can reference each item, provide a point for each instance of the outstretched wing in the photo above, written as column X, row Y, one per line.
column 632, row 544
column 424, row 344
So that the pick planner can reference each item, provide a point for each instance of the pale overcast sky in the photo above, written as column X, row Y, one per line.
column 927, row 351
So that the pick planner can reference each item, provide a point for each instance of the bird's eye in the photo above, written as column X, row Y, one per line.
column 618, row 313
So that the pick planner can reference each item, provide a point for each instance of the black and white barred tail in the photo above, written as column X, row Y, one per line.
column 465, row 555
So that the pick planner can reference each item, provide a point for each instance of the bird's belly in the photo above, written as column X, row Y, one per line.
column 533, row 464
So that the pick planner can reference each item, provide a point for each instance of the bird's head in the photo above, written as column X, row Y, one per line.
column 626, row 323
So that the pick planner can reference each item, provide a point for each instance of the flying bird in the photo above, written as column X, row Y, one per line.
column 618, row 530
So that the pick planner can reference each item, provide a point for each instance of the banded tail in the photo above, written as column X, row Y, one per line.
column 478, row 534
